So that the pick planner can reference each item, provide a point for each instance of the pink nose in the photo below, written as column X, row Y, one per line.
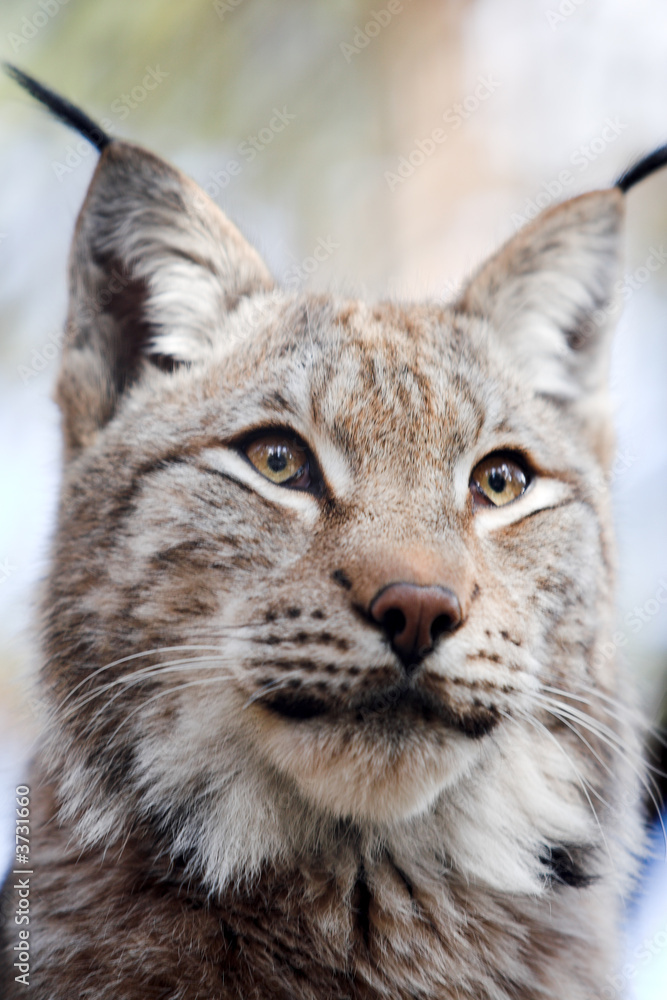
column 414, row 618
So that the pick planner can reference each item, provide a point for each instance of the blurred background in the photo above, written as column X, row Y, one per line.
column 313, row 124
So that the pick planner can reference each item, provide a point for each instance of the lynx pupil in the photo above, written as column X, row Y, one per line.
column 497, row 481
column 277, row 459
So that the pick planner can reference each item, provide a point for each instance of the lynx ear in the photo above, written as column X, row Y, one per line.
column 155, row 266
column 548, row 295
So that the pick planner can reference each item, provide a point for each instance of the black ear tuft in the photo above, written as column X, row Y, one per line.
column 643, row 168
column 61, row 108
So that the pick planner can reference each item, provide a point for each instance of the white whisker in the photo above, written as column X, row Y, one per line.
column 613, row 740
column 540, row 727
column 161, row 694
column 140, row 675
column 126, row 659
column 274, row 685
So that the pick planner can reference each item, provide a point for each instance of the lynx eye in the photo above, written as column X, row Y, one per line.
column 281, row 458
column 497, row 480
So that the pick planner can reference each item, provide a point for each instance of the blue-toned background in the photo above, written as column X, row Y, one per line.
column 312, row 124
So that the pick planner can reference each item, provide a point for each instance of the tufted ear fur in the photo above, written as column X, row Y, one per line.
column 548, row 294
column 155, row 266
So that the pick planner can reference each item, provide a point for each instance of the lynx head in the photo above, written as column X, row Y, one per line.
column 325, row 568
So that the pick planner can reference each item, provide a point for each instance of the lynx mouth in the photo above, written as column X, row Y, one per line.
column 416, row 703
column 292, row 705
column 400, row 704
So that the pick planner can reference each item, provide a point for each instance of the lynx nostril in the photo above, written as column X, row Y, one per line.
column 393, row 622
column 415, row 617
column 441, row 625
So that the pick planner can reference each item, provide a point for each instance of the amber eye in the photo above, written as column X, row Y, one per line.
column 497, row 479
column 281, row 458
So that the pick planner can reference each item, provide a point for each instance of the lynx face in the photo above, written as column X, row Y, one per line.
column 324, row 563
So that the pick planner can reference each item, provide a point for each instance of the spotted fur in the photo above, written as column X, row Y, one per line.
column 240, row 792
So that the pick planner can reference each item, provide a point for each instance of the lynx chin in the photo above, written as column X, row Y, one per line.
column 325, row 709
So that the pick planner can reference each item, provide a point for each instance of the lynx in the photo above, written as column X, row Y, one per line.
column 327, row 707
